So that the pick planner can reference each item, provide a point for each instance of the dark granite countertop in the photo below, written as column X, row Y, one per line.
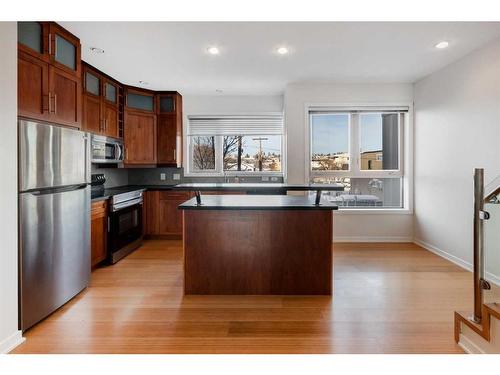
column 258, row 186
column 250, row 187
column 257, row 202
column 108, row 193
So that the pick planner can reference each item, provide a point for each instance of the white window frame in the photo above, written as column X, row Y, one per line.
column 405, row 152
column 219, row 163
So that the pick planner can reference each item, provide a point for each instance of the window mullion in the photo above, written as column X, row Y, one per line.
column 354, row 144
column 219, row 167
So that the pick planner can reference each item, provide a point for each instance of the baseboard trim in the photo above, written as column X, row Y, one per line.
column 452, row 258
column 371, row 239
column 11, row 342
column 468, row 346
column 443, row 254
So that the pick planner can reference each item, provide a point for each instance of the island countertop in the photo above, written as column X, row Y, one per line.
column 257, row 202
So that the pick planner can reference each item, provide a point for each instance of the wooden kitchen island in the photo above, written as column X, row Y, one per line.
column 258, row 244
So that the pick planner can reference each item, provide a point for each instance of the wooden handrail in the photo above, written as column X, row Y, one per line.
column 493, row 194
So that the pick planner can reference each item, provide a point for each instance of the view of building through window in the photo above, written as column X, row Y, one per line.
column 330, row 142
column 252, row 153
column 245, row 153
column 361, row 152
column 379, row 141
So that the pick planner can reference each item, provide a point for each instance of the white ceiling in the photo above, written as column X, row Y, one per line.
column 172, row 55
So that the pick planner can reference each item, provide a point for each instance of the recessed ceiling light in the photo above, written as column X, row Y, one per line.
column 219, row 91
column 96, row 50
column 282, row 50
column 213, row 50
column 144, row 83
column 442, row 45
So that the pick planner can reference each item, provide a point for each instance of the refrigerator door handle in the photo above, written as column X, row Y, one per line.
column 58, row 189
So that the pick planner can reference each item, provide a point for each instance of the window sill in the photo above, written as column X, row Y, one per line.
column 373, row 211
column 236, row 174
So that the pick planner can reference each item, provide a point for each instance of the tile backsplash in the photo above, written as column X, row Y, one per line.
column 114, row 176
column 153, row 176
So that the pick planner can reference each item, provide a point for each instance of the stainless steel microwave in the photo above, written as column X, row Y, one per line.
column 106, row 150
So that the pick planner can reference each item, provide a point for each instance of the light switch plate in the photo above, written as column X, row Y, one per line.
column 176, row 176
column 274, row 179
column 265, row 178
column 163, row 177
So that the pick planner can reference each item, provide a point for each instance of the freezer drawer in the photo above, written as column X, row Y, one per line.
column 51, row 156
column 54, row 249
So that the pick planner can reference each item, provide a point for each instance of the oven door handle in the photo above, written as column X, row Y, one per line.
column 132, row 202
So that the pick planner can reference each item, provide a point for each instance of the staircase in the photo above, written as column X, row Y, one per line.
column 479, row 338
column 479, row 331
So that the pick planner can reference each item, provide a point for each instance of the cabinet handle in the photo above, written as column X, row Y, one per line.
column 50, row 103
column 175, row 154
column 105, row 124
column 46, row 103
column 109, row 225
column 55, row 104
column 50, row 44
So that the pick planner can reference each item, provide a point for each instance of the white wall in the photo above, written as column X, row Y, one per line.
column 230, row 104
column 457, row 128
column 9, row 334
column 347, row 226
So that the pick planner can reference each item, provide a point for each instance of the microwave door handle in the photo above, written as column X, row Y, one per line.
column 118, row 152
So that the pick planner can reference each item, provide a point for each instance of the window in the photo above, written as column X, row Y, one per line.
column 361, row 150
column 203, row 151
column 252, row 153
column 221, row 145
column 330, row 142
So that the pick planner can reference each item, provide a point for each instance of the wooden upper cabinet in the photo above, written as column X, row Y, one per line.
column 64, row 49
column 139, row 133
column 100, row 103
column 111, row 120
column 169, row 129
column 49, row 82
column 140, row 100
column 110, row 108
column 140, row 138
column 33, row 39
column 33, row 87
column 65, row 97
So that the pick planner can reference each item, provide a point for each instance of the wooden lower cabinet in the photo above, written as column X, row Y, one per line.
column 99, row 230
column 161, row 215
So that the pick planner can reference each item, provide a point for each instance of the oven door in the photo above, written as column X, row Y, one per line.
column 125, row 231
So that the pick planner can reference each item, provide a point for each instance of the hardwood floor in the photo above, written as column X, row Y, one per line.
column 388, row 298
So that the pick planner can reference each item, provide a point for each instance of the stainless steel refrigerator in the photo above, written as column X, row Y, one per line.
column 54, row 218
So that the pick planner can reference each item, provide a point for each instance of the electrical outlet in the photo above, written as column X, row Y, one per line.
column 274, row 179
column 176, row 176
column 163, row 177
column 265, row 178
